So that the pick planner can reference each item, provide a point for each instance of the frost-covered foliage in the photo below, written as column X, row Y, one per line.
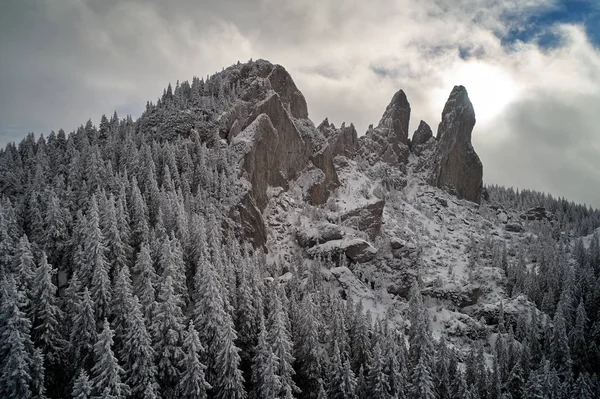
column 119, row 278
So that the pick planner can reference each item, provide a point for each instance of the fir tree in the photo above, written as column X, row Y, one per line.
column 83, row 335
column 15, row 344
column 138, row 355
column 377, row 379
column 107, row 372
column 193, row 382
column 265, row 380
column 167, row 333
column 279, row 338
column 229, row 383
column 96, row 269
column 82, row 389
column 147, row 278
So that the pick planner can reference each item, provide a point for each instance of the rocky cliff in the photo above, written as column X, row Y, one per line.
column 456, row 166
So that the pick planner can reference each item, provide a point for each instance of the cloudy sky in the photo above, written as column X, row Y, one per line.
column 532, row 68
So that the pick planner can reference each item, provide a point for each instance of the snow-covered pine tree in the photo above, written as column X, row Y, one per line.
column 15, row 343
column 193, row 382
column 167, row 336
column 83, row 335
column 265, row 380
column 82, row 388
column 229, row 382
column 138, row 355
column 95, row 272
column 107, row 372
column 279, row 339
column 146, row 280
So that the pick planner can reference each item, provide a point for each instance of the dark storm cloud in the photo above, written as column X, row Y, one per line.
column 64, row 61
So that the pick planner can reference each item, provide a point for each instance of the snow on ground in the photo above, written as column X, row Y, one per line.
column 438, row 230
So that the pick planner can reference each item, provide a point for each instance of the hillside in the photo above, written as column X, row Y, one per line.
column 225, row 246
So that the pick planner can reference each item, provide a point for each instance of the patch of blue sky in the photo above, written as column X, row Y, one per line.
column 540, row 27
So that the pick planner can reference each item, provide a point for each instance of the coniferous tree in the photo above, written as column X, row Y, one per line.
column 38, row 375
column 359, row 338
column 229, row 383
column 25, row 269
column 107, row 371
column 122, row 304
column 279, row 338
column 15, row 344
column 83, row 335
column 307, row 349
column 95, row 273
column 138, row 355
column 167, row 333
column 146, row 280
column 343, row 383
column 377, row 379
column 82, row 389
column 265, row 380
column 193, row 382
column 209, row 315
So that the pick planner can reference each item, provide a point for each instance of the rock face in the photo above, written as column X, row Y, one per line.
column 388, row 141
column 422, row 134
column 320, row 233
column 268, row 127
column 457, row 167
column 537, row 213
column 366, row 218
column 357, row 250
column 342, row 141
column 248, row 221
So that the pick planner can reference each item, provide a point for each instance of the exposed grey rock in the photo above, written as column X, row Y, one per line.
column 273, row 137
column 442, row 201
column 537, row 213
column 282, row 83
column 421, row 135
column 366, row 218
column 356, row 249
column 395, row 119
column 322, row 232
column 459, row 296
column 388, row 141
column 248, row 221
column 457, row 167
column 513, row 227
column 342, row 141
column 397, row 243
column 256, row 142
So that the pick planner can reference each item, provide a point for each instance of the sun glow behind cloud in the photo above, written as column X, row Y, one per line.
column 490, row 88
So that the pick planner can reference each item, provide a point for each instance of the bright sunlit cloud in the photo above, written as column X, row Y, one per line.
column 490, row 88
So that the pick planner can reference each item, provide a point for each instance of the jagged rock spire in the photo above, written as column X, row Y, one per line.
column 396, row 118
column 457, row 167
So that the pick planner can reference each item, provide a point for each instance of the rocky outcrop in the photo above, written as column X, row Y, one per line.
column 421, row 139
column 538, row 213
column 388, row 141
column 271, row 133
column 395, row 119
column 460, row 296
column 513, row 227
column 366, row 218
column 342, row 141
column 457, row 167
column 248, row 222
column 256, row 143
column 320, row 233
column 356, row 249
column 421, row 135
